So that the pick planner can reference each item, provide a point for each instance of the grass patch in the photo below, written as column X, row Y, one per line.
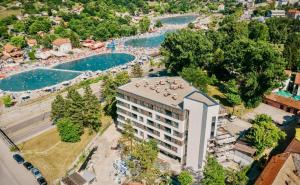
column 5, row 13
column 216, row 93
column 52, row 156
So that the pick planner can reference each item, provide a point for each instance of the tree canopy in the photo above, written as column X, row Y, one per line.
column 264, row 133
column 214, row 174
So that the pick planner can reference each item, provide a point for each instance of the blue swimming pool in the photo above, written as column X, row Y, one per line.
column 184, row 19
column 40, row 78
column 147, row 42
column 98, row 62
column 35, row 79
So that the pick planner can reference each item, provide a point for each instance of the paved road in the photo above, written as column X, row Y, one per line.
column 23, row 122
column 12, row 173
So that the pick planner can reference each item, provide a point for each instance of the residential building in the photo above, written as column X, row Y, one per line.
column 277, row 13
column 294, row 14
column 62, row 45
column 283, row 168
column 173, row 112
column 31, row 42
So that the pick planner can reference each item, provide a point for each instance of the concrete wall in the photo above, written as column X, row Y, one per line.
column 199, row 129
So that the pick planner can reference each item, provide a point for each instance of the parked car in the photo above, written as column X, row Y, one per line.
column 18, row 158
column 36, row 173
column 28, row 165
column 42, row 181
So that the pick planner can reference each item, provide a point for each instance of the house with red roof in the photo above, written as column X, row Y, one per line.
column 62, row 45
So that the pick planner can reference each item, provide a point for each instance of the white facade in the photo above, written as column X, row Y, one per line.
column 63, row 48
column 183, row 132
column 202, row 126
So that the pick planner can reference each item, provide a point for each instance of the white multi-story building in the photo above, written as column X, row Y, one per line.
column 174, row 113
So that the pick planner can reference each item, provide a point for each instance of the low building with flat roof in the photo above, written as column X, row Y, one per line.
column 174, row 113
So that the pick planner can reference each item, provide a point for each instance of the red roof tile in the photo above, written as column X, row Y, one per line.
column 297, row 79
column 283, row 100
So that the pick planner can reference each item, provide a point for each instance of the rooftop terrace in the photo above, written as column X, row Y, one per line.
column 166, row 90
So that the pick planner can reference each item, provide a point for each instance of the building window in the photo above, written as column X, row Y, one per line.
column 213, row 124
column 168, row 138
column 150, row 122
column 157, row 117
column 141, row 119
column 134, row 115
column 169, row 113
column 167, row 130
column 134, row 108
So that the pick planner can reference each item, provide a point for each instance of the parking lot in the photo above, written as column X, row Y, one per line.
column 12, row 173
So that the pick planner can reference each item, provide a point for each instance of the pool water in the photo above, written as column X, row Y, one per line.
column 98, row 62
column 35, row 79
column 148, row 42
column 284, row 93
column 184, row 19
column 40, row 78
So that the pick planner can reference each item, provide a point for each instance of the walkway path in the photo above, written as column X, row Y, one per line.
column 104, row 157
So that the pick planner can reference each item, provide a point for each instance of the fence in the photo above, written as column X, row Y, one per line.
column 8, row 141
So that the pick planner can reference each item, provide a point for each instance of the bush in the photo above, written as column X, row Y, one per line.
column 7, row 101
column 68, row 131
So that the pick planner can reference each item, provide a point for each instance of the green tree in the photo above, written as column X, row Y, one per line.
column 144, row 24
column 18, row 41
column 197, row 77
column 75, row 105
column 291, row 51
column 40, row 25
column 232, row 94
column 128, row 135
column 91, row 109
column 158, row 24
column 109, row 91
column 136, row 71
column 69, row 131
column 264, row 134
column 185, row 178
column 142, row 167
column 256, row 66
column 258, row 31
column 7, row 101
column 278, row 29
column 186, row 48
column 237, row 177
column 213, row 173
column 19, row 26
column 58, row 108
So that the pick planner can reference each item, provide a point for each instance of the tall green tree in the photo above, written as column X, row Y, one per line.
column 136, row 71
column 75, row 106
column 185, row 178
column 109, row 90
column 186, row 48
column 58, row 108
column 214, row 174
column 237, row 177
column 18, row 41
column 256, row 66
column 91, row 109
column 128, row 136
column 197, row 77
column 258, row 31
column 69, row 131
column 232, row 93
column 144, row 24
column 292, row 51
column 264, row 134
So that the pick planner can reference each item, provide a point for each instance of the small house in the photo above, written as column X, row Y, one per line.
column 62, row 45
